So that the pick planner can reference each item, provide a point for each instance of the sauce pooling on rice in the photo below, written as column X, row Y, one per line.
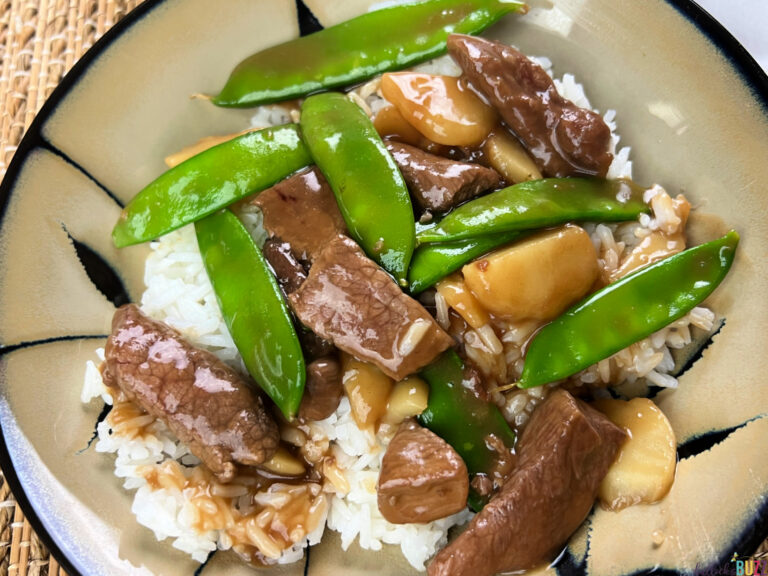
column 257, row 515
column 268, row 500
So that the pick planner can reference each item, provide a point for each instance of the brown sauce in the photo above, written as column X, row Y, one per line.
column 661, row 243
column 127, row 419
column 261, row 514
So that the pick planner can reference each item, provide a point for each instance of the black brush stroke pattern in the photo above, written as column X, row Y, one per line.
column 567, row 564
column 105, row 410
column 306, row 560
column 693, row 358
column 307, row 21
column 46, row 145
column 100, row 273
column 7, row 349
column 708, row 440
column 202, row 566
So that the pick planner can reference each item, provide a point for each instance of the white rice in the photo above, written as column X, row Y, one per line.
column 179, row 293
column 163, row 511
column 355, row 515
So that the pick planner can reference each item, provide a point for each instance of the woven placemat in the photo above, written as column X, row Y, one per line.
column 40, row 40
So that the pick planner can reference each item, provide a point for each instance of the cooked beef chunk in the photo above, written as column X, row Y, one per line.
column 564, row 453
column 563, row 139
column 302, row 211
column 290, row 274
column 288, row 270
column 204, row 402
column 323, row 389
column 313, row 345
column 438, row 183
column 350, row 301
column 422, row 478
column 301, row 216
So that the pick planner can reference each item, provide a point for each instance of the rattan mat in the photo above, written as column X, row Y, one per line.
column 40, row 40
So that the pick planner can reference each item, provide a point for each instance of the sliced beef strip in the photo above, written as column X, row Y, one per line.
column 290, row 273
column 302, row 211
column 564, row 139
column 323, row 389
column 300, row 216
column 564, row 453
column 438, row 183
column 422, row 478
column 350, row 301
column 205, row 403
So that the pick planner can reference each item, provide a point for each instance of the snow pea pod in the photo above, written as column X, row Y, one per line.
column 253, row 308
column 367, row 184
column 539, row 203
column 626, row 311
column 358, row 49
column 209, row 181
column 431, row 262
column 461, row 419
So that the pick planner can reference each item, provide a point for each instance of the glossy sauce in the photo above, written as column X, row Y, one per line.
column 458, row 297
column 504, row 462
column 368, row 390
column 390, row 123
column 564, row 139
column 260, row 514
column 262, row 517
column 301, row 211
column 422, row 478
column 204, row 402
column 128, row 420
column 351, row 301
column 661, row 243
column 437, row 183
column 440, row 107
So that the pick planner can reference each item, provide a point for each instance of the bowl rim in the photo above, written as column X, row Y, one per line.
column 738, row 57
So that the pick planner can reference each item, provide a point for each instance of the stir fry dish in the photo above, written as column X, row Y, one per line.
column 401, row 307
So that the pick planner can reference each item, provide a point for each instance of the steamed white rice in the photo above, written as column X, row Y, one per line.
column 179, row 293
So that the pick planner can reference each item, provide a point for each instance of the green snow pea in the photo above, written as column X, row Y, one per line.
column 540, row 203
column 253, row 308
column 460, row 418
column 431, row 262
column 358, row 49
column 626, row 311
column 209, row 181
column 367, row 184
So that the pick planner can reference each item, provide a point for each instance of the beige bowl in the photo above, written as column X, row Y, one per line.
column 690, row 102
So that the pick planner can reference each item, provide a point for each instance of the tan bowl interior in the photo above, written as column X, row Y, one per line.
column 694, row 127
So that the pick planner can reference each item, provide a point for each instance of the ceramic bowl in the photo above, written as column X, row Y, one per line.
column 690, row 102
